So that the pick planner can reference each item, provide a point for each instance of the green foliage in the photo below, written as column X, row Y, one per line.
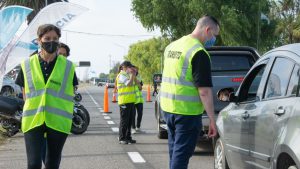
column 103, row 76
column 114, row 71
column 287, row 13
column 147, row 55
column 240, row 19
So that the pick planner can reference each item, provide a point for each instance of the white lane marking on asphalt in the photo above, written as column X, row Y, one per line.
column 110, row 122
column 136, row 157
column 106, row 117
column 91, row 97
column 115, row 129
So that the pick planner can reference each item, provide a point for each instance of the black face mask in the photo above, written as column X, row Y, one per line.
column 50, row 47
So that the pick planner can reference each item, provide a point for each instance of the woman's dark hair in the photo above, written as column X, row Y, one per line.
column 43, row 29
column 120, row 68
column 62, row 45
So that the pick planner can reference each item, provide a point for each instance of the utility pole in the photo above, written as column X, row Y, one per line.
column 109, row 64
column 258, row 26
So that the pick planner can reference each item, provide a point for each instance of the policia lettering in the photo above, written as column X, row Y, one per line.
column 48, row 103
column 178, row 93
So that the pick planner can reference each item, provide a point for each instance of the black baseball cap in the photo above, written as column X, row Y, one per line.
column 127, row 64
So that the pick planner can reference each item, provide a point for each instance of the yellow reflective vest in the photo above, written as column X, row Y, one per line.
column 126, row 94
column 51, row 102
column 178, row 94
column 138, row 94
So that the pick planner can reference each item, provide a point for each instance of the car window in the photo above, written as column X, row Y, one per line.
column 230, row 63
column 249, row 88
column 279, row 78
column 293, row 84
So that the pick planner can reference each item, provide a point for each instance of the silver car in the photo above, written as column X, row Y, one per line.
column 260, row 128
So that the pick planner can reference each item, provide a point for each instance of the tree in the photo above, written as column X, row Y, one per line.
column 114, row 71
column 103, row 76
column 240, row 20
column 36, row 5
column 287, row 13
column 147, row 56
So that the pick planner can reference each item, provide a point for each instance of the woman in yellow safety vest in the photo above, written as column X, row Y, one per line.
column 47, row 80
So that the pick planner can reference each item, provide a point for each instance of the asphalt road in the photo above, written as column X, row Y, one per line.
column 98, row 148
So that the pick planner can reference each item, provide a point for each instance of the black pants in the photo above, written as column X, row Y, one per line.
column 34, row 141
column 126, row 115
column 154, row 91
column 139, row 112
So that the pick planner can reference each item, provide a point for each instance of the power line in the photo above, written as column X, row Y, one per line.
column 110, row 35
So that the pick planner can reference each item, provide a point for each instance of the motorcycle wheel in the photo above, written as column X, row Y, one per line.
column 78, row 97
column 79, row 122
column 87, row 114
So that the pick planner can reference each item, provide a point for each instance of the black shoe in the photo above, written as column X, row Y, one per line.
column 131, row 141
column 123, row 142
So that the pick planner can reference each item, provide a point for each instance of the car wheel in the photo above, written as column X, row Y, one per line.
column 6, row 91
column 219, row 155
column 285, row 162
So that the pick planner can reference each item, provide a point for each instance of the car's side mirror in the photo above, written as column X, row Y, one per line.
column 226, row 95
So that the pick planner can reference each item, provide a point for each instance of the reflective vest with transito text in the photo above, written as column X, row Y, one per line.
column 178, row 93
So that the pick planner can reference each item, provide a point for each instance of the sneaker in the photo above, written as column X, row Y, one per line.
column 123, row 142
column 138, row 130
column 131, row 141
column 133, row 131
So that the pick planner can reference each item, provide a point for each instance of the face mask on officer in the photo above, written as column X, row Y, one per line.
column 50, row 47
column 210, row 42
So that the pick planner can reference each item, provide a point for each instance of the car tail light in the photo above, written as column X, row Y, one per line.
column 237, row 79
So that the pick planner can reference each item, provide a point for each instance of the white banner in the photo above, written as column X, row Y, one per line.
column 59, row 14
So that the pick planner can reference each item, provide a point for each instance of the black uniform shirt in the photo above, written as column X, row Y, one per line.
column 46, row 70
column 201, row 70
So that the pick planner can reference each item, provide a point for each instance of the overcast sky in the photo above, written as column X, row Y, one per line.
column 108, row 19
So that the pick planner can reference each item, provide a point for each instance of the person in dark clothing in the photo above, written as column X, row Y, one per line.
column 154, row 88
column 136, row 121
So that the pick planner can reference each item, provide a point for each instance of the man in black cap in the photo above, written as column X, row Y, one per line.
column 126, row 99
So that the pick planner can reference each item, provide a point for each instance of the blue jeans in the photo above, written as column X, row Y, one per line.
column 183, row 132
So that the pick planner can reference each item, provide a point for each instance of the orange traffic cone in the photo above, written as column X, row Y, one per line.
column 114, row 100
column 105, row 101
column 148, row 94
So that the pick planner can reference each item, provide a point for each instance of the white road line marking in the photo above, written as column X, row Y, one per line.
column 136, row 157
column 115, row 129
column 107, row 117
column 91, row 97
column 110, row 122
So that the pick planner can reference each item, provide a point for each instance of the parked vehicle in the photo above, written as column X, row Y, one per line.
column 11, row 109
column 260, row 126
column 110, row 84
column 229, row 66
column 9, row 88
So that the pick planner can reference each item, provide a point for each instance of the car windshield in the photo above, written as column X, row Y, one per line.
column 230, row 63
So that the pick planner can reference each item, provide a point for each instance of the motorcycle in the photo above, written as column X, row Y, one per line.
column 81, row 119
column 11, row 109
